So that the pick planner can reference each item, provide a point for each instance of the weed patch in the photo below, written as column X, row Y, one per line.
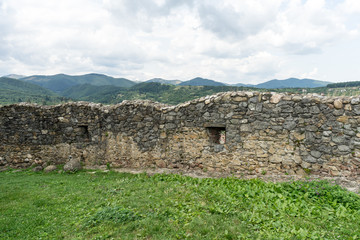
column 112, row 214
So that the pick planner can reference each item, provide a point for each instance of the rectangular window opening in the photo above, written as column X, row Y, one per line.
column 84, row 132
column 217, row 135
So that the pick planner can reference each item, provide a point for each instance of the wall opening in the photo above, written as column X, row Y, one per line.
column 84, row 132
column 217, row 135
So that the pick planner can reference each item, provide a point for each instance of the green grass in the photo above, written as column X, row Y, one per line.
column 125, row 206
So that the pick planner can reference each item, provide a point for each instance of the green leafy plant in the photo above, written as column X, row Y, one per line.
column 116, row 214
column 108, row 166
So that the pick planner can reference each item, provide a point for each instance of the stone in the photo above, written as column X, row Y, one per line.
column 339, row 139
column 311, row 128
column 73, row 165
column 275, row 159
column 338, row 103
column 170, row 125
column 259, row 107
column 50, row 168
column 348, row 107
column 334, row 171
column 249, row 94
column 63, row 120
column 245, row 128
column 301, row 172
column 3, row 161
column 310, row 159
column 324, row 148
column 287, row 162
column 161, row 164
column 343, row 119
column 289, row 125
column 299, row 136
column 235, row 121
column 252, row 106
column 200, row 106
column 315, row 154
column 338, row 112
column 314, row 110
column 240, row 99
column 163, row 135
column 355, row 101
column 344, row 148
column 327, row 133
column 349, row 133
column 37, row 169
column 305, row 165
column 276, row 98
column 310, row 137
column 296, row 98
column 297, row 159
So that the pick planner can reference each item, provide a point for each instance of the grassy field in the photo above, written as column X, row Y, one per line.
column 98, row 205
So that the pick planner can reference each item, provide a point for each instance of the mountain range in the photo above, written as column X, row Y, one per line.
column 105, row 89
column 61, row 82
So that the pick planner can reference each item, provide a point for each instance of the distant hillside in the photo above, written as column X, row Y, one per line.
column 151, row 87
column 61, row 82
column 163, row 81
column 91, row 93
column 201, row 82
column 243, row 85
column 165, row 93
column 14, row 91
column 344, row 84
column 14, row 76
column 292, row 83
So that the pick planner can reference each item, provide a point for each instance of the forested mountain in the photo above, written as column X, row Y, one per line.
column 61, row 82
column 344, row 84
column 91, row 93
column 13, row 91
column 14, row 76
column 292, row 83
column 201, row 82
column 243, row 85
column 164, row 81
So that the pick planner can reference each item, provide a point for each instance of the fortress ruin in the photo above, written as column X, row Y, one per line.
column 241, row 133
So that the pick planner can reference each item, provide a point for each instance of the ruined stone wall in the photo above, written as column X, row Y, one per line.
column 242, row 133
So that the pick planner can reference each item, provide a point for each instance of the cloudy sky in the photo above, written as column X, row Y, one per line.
column 247, row 41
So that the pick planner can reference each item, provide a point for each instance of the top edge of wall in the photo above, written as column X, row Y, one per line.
column 272, row 97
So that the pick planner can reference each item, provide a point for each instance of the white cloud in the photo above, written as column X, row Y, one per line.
column 236, row 20
column 351, row 6
column 312, row 74
column 223, row 40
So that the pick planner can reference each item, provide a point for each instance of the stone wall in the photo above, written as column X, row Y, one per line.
column 241, row 133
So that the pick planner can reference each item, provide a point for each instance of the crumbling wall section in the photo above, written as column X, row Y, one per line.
column 243, row 133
